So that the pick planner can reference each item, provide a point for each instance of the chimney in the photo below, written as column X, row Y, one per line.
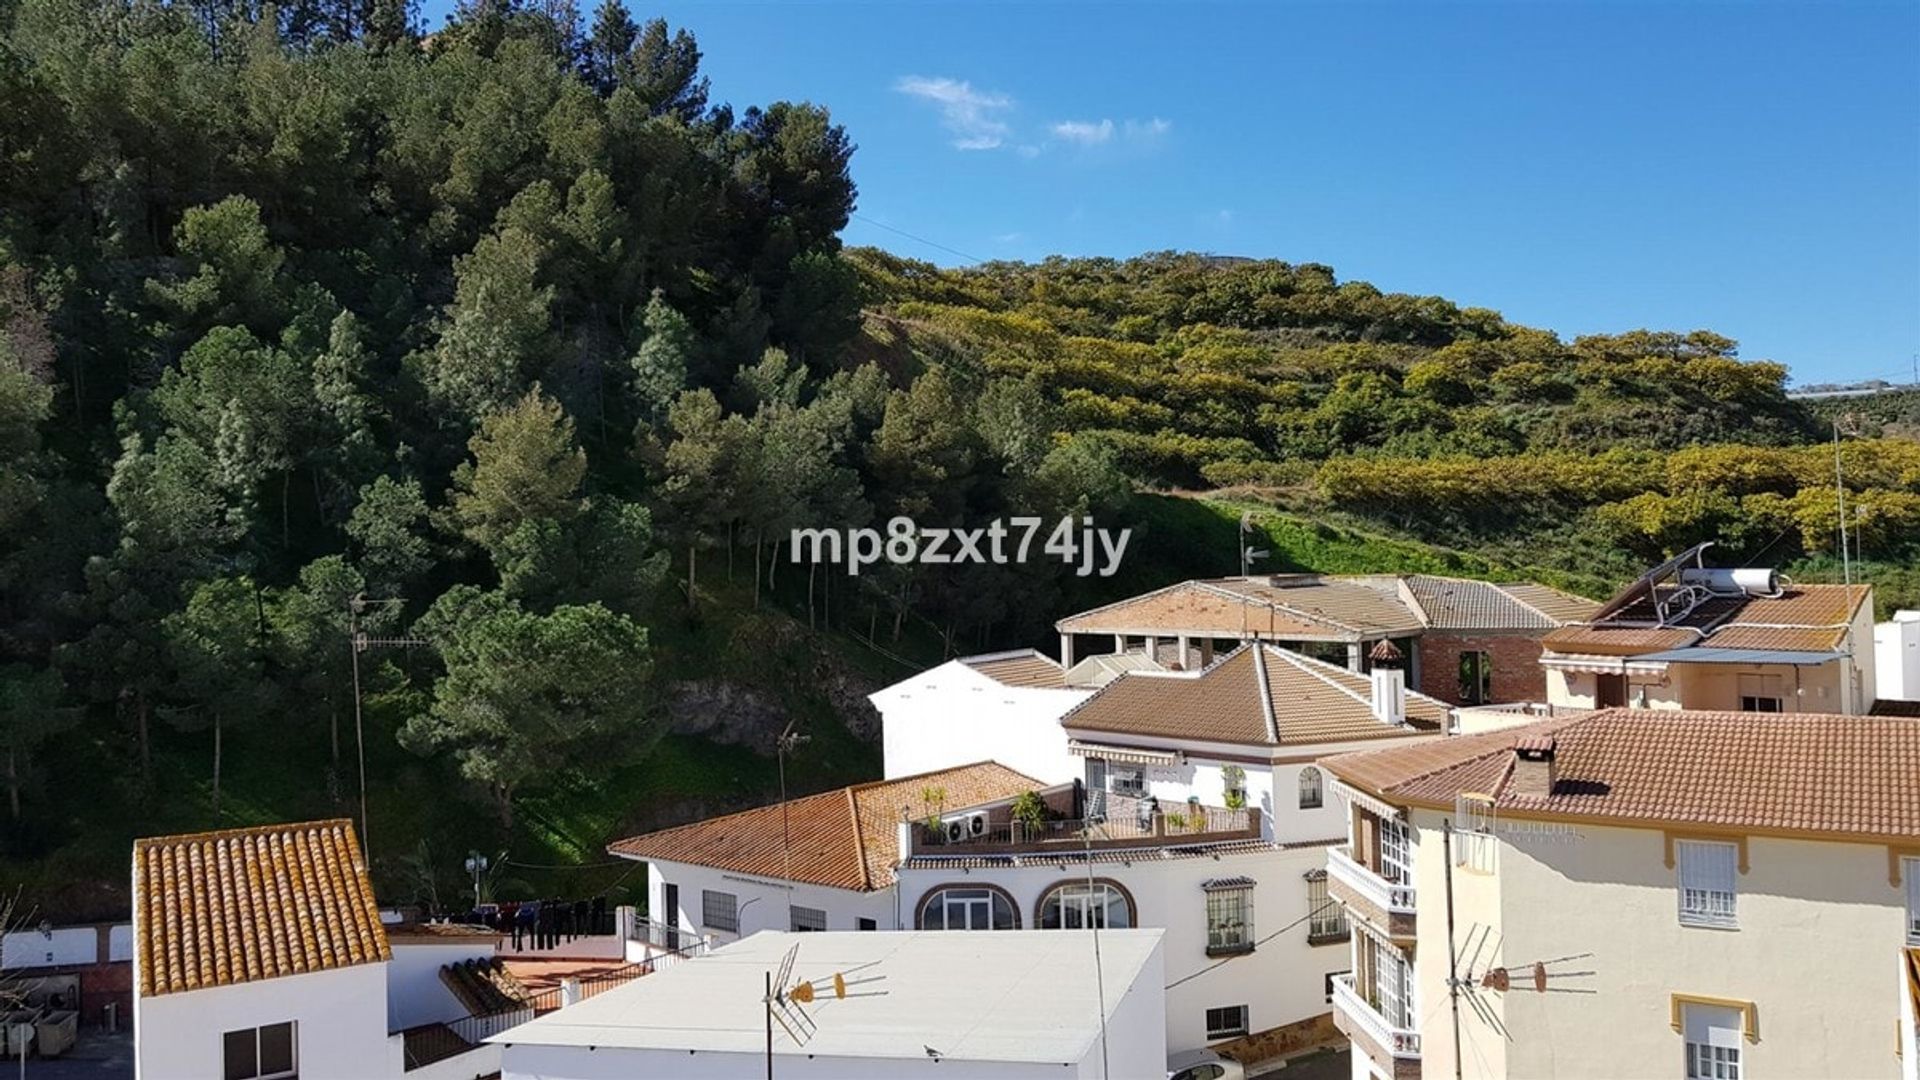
column 1533, row 768
column 1389, row 684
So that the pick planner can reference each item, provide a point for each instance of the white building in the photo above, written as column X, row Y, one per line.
column 819, row 862
column 1635, row 893
column 1007, row 704
column 1896, row 656
column 1000, row 1006
column 1189, row 799
column 260, row 953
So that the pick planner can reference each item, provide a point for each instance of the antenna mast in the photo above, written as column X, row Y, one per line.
column 1453, row 954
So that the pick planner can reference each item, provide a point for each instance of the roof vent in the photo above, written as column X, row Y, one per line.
column 1534, row 772
column 1386, row 654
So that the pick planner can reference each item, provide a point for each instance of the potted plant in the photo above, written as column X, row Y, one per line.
column 1234, row 778
column 1030, row 812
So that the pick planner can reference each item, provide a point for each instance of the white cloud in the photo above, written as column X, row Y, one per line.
column 1148, row 130
column 1084, row 132
column 971, row 115
column 1098, row 132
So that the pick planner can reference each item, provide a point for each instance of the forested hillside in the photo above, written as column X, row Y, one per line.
column 1411, row 413
column 521, row 336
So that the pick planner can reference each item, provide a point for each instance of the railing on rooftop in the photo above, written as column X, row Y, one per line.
column 1128, row 821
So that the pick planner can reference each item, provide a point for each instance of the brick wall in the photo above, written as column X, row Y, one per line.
column 1517, row 674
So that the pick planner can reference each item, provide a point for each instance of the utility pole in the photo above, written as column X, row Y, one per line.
column 358, row 642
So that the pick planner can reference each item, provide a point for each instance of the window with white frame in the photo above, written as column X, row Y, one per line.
column 1127, row 779
column 1311, row 797
column 720, row 911
column 807, row 918
column 1386, row 981
column 1078, row 906
column 1229, row 916
column 259, row 1053
column 1706, row 869
column 1910, row 873
column 1762, row 693
column 1226, row 1021
column 1713, row 1041
column 968, row 909
column 1326, row 918
column 1396, row 851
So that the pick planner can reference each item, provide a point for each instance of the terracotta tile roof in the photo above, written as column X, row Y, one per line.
column 440, row 931
column 1363, row 605
column 1806, row 618
column 241, row 905
column 1329, row 607
column 1465, row 604
column 846, row 838
column 1825, row 774
column 1561, row 607
column 1261, row 696
column 484, row 986
column 1023, row 668
column 1616, row 640
column 1197, row 608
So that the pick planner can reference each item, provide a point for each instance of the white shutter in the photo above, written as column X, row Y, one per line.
column 1707, row 871
column 1714, row 1025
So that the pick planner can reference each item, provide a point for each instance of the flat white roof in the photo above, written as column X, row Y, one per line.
column 1006, row 995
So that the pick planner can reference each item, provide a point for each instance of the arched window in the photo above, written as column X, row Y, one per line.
column 968, row 907
column 1309, row 788
column 1077, row 905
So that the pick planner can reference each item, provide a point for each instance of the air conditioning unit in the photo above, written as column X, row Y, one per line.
column 965, row 827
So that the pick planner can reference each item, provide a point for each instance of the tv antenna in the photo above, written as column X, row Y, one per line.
column 1464, row 984
column 786, row 1003
column 1248, row 552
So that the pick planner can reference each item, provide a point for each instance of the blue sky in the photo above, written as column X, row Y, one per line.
column 1749, row 168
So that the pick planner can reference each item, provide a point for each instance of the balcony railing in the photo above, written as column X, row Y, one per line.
column 1128, row 821
column 1400, row 1042
column 1387, row 896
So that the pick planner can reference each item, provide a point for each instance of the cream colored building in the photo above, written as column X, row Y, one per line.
column 1690, row 636
column 1630, row 893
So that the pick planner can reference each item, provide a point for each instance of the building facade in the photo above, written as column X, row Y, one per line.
column 1690, row 636
column 1631, row 893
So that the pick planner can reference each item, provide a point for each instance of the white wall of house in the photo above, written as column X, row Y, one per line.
column 1896, row 656
column 415, row 992
column 1273, row 785
column 760, row 903
column 953, row 715
column 1281, row 981
column 340, row 1017
column 1608, row 892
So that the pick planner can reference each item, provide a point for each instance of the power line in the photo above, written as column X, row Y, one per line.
column 1262, row 941
column 919, row 239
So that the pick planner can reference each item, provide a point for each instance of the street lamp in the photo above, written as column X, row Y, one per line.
column 476, row 865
